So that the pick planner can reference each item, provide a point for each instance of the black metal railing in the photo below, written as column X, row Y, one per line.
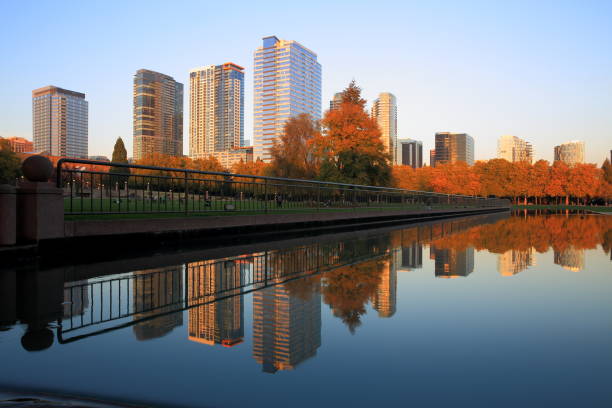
column 93, row 187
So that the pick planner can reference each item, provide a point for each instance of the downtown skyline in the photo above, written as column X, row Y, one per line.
column 519, row 87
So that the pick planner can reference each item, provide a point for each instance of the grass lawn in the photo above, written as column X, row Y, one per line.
column 563, row 207
column 176, row 208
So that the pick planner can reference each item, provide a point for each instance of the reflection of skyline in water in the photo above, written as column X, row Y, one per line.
column 346, row 274
column 157, row 291
column 571, row 259
column 286, row 328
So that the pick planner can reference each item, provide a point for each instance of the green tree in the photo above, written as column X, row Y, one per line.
column 350, row 148
column 121, row 174
column 10, row 165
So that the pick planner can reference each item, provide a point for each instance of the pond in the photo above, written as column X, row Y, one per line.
column 489, row 310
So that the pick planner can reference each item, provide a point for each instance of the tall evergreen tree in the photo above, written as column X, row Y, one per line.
column 350, row 148
column 119, row 156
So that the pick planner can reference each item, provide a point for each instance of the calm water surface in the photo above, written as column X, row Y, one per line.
column 484, row 311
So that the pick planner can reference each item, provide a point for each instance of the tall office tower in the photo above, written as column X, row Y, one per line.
column 385, row 297
column 570, row 258
column 287, row 82
column 60, row 122
column 384, row 110
column 156, row 292
column 432, row 157
column 216, row 106
column 454, row 147
column 452, row 263
column 514, row 149
column 570, row 152
column 336, row 101
column 216, row 321
column 158, row 114
column 410, row 153
column 514, row 261
column 286, row 328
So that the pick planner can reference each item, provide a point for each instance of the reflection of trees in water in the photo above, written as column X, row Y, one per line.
column 541, row 232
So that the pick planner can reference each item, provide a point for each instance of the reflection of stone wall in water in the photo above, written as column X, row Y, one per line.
column 157, row 291
column 286, row 329
column 452, row 263
column 571, row 259
column 76, row 299
column 216, row 321
column 514, row 261
column 385, row 298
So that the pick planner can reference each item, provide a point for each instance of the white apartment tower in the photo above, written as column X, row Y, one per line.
column 287, row 82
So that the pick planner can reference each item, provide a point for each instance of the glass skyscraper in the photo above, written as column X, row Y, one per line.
column 453, row 147
column 60, row 122
column 287, row 82
column 216, row 106
column 158, row 114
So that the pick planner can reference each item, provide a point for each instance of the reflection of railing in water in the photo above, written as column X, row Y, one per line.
column 145, row 295
column 115, row 298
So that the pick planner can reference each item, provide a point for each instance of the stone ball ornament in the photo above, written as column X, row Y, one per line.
column 37, row 168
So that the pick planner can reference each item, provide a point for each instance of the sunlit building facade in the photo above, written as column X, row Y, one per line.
column 385, row 297
column 514, row 261
column 570, row 152
column 452, row 263
column 156, row 292
column 286, row 329
column 514, row 149
column 410, row 153
column 60, row 122
column 570, row 258
column 217, row 287
column 452, row 148
column 384, row 111
column 287, row 82
column 19, row 144
column 158, row 115
column 336, row 101
column 228, row 158
column 216, row 106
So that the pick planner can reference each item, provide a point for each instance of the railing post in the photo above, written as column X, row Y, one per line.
column 266, row 195
column 186, row 194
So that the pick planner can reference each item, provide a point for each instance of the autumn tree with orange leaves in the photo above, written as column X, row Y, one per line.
column 291, row 155
column 350, row 148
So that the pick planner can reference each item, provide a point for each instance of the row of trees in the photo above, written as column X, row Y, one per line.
column 538, row 183
column 346, row 147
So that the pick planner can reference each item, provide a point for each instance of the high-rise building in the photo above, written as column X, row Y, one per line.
column 286, row 328
column 216, row 109
column 385, row 297
column 60, row 122
column 384, row 110
column 410, row 153
column 155, row 292
column 287, row 82
column 452, row 263
column 412, row 256
column 514, row 149
column 570, row 258
column 216, row 321
column 570, row 152
column 453, row 147
column 158, row 114
column 514, row 261
column 336, row 101
column 19, row 144
column 432, row 157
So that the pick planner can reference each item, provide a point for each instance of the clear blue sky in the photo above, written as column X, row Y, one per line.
column 541, row 70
